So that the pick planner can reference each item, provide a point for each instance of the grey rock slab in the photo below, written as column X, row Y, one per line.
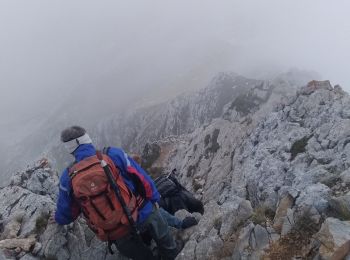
column 333, row 234
column 281, row 212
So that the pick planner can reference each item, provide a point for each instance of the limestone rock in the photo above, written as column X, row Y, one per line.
column 252, row 241
column 12, row 228
column 345, row 176
column 188, row 252
column 333, row 234
column 25, row 206
column 288, row 222
column 22, row 243
column 28, row 257
column 281, row 212
column 235, row 213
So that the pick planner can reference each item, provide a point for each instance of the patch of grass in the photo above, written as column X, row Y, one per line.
column 227, row 249
column 41, row 223
column 262, row 214
column 299, row 147
column 196, row 185
column 217, row 224
column 292, row 244
column 306, row 225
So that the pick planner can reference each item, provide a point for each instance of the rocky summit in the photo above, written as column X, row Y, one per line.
column 269, row 160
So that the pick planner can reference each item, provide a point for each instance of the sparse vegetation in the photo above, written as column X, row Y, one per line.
column 214, row 145
column 196, row 185
column 227, row 249
column 214, row 142
column 299, row 147
column 41, row 223
column 217, row 223
column 262, row 214
column 293, row 244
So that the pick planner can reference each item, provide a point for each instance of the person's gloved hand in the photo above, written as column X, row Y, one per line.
column 188, row 222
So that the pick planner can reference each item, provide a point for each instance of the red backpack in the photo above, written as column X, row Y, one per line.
column 98, row 201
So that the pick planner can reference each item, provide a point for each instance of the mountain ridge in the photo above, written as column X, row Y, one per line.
column 273, row 171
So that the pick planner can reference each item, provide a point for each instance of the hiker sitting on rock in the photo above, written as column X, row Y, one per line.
column 115, row 195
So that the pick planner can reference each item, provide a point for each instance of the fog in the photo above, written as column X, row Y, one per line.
column 117, row 54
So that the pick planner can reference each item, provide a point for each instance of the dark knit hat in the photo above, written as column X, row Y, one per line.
column 73, row 137
column 71, row 133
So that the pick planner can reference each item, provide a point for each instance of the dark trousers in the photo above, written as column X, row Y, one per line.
column 158, row 229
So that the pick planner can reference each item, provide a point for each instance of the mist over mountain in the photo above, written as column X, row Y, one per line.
column 131, row 127
column 58, row 60
column 269, row 157
column 247, row 100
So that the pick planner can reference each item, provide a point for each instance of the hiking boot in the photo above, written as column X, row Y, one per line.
column 188, row 222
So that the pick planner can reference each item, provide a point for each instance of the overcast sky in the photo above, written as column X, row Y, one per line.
column 50, row 50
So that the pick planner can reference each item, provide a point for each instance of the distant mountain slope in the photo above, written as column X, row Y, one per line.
column 133, row 128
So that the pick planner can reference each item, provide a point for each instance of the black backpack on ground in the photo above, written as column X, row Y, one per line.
column 174, row 196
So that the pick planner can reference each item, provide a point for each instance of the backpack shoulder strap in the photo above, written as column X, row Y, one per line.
column 105, row 150
column 69, row 168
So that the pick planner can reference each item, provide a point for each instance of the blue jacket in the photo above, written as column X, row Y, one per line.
column 68, row 209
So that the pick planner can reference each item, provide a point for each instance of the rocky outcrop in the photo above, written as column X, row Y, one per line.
column 25, row 207
column 288, row 157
